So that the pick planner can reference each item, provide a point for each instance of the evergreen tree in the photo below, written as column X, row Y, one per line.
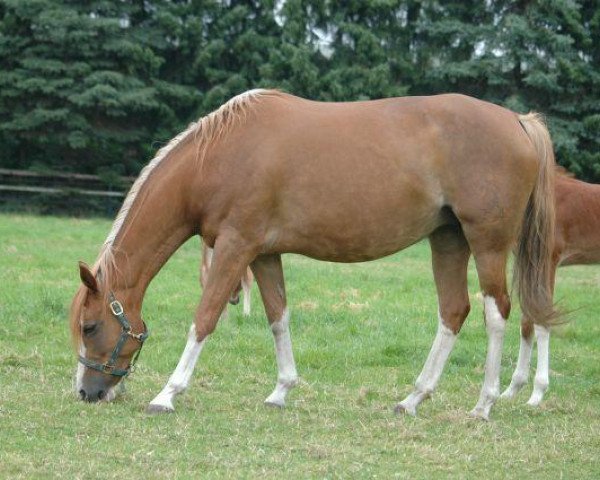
column 98, row 85
column 76, row 92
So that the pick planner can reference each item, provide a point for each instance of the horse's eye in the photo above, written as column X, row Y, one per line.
column 89, row 329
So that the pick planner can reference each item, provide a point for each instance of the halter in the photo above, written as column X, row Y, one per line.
column 109, row 367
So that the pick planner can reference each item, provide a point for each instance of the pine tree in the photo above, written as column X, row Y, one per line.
column 98, row 85
column 76, row 92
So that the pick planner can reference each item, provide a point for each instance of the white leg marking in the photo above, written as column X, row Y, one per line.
column 432, row 370
column 495, row 326
column 521, row 374
column 287, row 377
column 180, row 378
column 541, row 382
column 246, row 289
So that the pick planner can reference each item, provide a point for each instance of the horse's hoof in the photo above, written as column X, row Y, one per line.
column 478, row 414
column 402, row 409
column 157, row 409
column 274, row 403
column 507, row 394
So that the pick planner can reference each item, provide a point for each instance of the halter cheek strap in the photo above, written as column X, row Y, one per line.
column 109, row 367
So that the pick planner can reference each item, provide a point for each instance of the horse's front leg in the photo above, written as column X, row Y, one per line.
column 230, row 258
column 269, row 276
column 180, row 378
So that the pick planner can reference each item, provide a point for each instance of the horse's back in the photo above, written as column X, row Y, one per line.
column 443, row 141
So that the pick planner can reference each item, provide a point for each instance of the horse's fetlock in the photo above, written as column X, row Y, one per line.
column 178, row 387
column 424, row 389
column 541, row 384
column 491, row 394
column 519, row 380
column 288, row 381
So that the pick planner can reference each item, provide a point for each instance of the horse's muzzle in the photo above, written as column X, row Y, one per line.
column 91, row 396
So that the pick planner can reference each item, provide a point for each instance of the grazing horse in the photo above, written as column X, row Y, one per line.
column 576, row 242
column 245, row 283
column 270, row 173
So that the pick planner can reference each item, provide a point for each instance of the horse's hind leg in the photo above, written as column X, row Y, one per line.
column 521, row 374
column 247, row 279
column 491, row 255
column 542, row 380
column 450, row 258
column 269, row 276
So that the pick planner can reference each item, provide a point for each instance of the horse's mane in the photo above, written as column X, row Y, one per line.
column 205, row 132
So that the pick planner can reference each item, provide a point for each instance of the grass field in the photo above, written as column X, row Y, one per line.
column 361, row 334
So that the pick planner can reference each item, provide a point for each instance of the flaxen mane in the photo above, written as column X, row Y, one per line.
column 206, row 132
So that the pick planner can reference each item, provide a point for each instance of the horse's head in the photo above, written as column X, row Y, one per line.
column 108, row 332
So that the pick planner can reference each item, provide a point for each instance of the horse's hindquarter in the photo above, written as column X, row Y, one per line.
column 357, row 181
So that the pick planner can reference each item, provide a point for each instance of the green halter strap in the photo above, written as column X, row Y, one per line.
column 110, row 366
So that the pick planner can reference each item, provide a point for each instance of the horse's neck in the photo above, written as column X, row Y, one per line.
column 156, row 225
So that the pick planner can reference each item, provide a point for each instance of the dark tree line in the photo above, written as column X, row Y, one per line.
column 96, row 86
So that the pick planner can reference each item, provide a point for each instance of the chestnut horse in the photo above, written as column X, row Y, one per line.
column 577, row 242
column 270, row 173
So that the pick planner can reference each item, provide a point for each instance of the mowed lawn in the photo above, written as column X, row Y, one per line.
column 361, row 334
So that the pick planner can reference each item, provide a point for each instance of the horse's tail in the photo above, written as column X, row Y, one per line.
column 533, row 264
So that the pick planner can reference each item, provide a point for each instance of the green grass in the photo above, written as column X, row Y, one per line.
column 361, row 334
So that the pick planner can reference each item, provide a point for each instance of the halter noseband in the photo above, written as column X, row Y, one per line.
column 109, row 367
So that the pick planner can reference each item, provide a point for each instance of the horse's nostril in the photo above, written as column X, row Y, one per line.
column 100, row 394
column 82, row 394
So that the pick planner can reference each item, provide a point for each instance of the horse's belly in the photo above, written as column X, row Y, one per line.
column 342, row 250
column 356, row 235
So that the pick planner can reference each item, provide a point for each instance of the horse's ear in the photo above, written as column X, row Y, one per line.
column 87, row 277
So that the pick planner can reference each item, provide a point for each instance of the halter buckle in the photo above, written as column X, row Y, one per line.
column 108, row 368
column 116, row 308
column 136, row 336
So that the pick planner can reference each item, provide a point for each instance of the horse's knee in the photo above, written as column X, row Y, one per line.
column 453, row 316
column 204, row 329
column 541, row 384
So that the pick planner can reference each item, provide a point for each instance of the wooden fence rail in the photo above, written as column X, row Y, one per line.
column 24, row 182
